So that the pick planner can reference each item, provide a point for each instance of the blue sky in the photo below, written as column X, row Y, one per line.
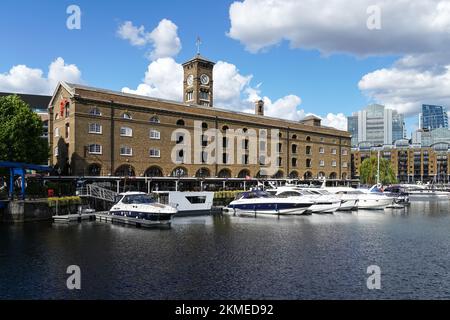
column 34, row 34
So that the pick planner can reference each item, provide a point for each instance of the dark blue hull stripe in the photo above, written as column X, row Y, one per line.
column 270, row 206
column 142, row 215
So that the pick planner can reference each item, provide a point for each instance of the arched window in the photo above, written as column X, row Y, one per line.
column 127, row 116
column 321, row 175
column 179, row 172
column 204, row 125
column 344, row 176
column 94, row 169
column 95, row 112
column 244, row 173
column 307, row 175
column 180, row 122
column 154, row 119
column 203, row 173
column 333, row 175
column 224, row 173
column 308, row 138
column 293, row 175
column 225, row 128
column 154, row 171
column 278, row 175
column 294, row 136
column 125, row 170
column 67, row 109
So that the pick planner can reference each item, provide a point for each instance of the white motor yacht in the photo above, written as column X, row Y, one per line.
column 349, row 197
column 140, row 205
column 260, row 202
column 323, row 201
column 373, row 199
column 187, row 202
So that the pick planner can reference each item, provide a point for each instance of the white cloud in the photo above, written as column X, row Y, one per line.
column 406, row 89
column 22, row 79
column 232, row 90
column 338, row 121
column 407, row 27
column 163, row 79
column 163, row 38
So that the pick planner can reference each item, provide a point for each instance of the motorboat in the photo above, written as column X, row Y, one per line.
column 140, row 205
column 400, row 195
column 373, row 199
column 187, row 203
column 261, row 202
column 349, row 197
column 425, row 192
column 323, row 202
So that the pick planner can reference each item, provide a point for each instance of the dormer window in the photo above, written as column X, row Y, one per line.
column 127, row 116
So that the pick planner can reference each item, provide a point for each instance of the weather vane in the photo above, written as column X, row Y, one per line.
column 198, row 43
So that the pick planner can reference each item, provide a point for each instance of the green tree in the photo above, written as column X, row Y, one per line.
column 368, row 171
column 21, row 132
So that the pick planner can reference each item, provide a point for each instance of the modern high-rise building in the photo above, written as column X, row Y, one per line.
column 377, row 125
column 433, row 117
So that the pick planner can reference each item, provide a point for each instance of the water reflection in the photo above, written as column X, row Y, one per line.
column 228, row 257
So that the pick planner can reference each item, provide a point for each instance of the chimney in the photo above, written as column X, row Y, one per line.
column 259, row 107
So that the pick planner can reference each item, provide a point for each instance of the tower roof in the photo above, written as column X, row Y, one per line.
column 200, row 58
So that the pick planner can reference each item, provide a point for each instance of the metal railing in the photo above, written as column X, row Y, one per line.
column 94, row 191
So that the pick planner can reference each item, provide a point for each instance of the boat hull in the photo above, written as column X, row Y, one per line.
column 374, row 204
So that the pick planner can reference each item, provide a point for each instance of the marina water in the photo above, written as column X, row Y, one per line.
column 227, row 257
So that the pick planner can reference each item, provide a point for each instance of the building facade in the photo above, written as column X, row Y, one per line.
column 101, row 132
column 377, row 125
column 411, row 163
column 433, row 117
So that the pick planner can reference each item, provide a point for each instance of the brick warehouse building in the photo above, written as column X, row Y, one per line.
column 410, row 163
column 96, row 132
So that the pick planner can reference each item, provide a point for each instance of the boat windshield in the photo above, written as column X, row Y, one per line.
column 138, row 199
column 254, row 194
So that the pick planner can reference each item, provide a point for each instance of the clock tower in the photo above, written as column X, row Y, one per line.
column 198, row 81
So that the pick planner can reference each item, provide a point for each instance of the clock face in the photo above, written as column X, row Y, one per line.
column 204, row 79
column 190, row 80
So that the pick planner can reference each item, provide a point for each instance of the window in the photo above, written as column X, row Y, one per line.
column 333, row 151
column 204, row 95
column 333, row 163
column 308, row 138
column 262, row 146
column 67, row 130
column 95, row 149
column 344, row 164
column 308, row 150
column 280, row 147
column 279, row 161
column 308, row 163
column 126, row 151
column 262, row 160
column 245, row 144
column 180, row 122
column 204, row 103
column 294, row 162
column 127, row 116
column 180, row 156
column 321, row 150
column 189, row 96
column 95, row 128
column 155, row 153
column 67, row 108
column 56, row 152
column 126, row 132
column 204, row 125
column 95, row 112
column 322, row 163
column 180, row 138
column 204, row 140
column 344, row 152
column 56, row 132
column 294, row 137
column 322, row 139
column 245, row 159
column 294, row 148
column 225, row 142
column 204, row 156
column 224, row 158
column 155, row 134
column 154, row 119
